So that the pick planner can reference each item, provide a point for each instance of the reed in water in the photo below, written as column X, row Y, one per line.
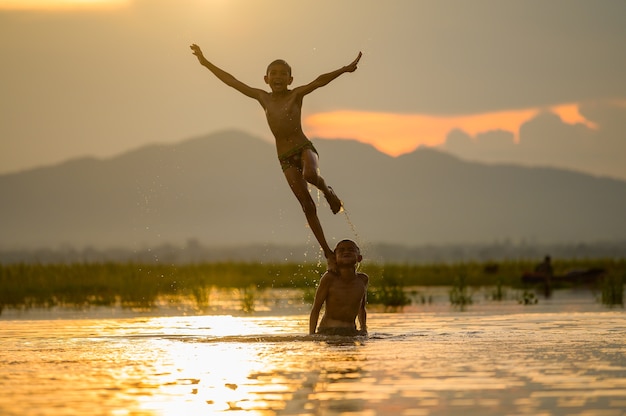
column 25, row 286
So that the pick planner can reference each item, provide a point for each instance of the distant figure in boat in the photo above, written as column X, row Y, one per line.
column 545, row 267
column 545, row 270
column 543, row 274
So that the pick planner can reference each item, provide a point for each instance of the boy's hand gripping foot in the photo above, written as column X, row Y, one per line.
column 332, row 263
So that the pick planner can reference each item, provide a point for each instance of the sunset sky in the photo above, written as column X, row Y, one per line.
column 532, row 82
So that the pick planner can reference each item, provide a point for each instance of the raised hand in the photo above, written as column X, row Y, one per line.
column 197, row 51
column 352, row 67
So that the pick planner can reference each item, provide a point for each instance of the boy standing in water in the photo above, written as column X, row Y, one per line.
column 345, row 294
column 297, row 155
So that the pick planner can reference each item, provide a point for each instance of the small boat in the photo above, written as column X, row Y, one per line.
column 576, row 276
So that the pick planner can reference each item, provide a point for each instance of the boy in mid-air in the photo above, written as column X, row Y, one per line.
column 298, row 158
column 345, row 294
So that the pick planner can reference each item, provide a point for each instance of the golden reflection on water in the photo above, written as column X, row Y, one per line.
column 189, row 368
column 195, row 377
column 412, row 364
column 195, row 381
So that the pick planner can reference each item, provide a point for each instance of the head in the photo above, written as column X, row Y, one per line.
column 347, row 252
column 280, row 63
column 278, row 75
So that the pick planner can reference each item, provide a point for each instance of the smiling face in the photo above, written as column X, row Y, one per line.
column 347, row 253
column 278, row 76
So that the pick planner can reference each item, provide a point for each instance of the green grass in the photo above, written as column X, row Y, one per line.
column 24, row 286
column 459, row 294
column 613, row 289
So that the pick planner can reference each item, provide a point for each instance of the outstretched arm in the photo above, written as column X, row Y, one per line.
column 324, row 79
column 224, row 76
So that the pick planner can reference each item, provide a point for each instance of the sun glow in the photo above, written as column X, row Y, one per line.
column 192, row 375
column 52, row 5
column 396, row 134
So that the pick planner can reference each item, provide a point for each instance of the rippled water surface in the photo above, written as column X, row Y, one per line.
column 502, row 359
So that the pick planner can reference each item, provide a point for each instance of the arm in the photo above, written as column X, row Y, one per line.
column 320, row 298
column 362, row 315
column 225, row 77
column 324, row 79
column 363, row 318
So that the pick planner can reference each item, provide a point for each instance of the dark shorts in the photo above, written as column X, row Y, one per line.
column 293, row 158
column 342, row 331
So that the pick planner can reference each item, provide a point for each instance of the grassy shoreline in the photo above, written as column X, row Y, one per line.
column 25, row 286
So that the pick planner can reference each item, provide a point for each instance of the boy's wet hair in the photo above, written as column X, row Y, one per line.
column 347, row 240
column 279, row 62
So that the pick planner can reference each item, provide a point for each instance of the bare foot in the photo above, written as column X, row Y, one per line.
column 333, row 200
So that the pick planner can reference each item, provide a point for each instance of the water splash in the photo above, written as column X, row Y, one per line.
column 357, row 236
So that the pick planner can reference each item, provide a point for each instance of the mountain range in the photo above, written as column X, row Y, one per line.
column 227, row 188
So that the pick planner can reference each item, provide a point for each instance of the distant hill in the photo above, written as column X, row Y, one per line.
column 227, row 189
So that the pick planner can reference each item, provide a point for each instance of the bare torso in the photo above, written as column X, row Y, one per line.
column 343, row 301
column 283, row 112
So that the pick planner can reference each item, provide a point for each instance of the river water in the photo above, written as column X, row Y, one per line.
column 565, row 356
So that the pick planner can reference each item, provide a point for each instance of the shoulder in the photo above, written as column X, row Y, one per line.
column 364, row 278
column 302, row 90
column 327, row 278
column 261, row 95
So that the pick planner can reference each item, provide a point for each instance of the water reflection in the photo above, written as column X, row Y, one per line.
column 413, row 363
column 256, row 372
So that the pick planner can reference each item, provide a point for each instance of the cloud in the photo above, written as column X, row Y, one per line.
column 595, row 144
column 585, row 137
column 396, row 134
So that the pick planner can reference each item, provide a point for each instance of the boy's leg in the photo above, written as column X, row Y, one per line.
column 300, row 189
column 311, row 174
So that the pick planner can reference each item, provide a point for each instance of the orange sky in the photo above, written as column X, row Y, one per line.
column 58, row 4
column 396, row 134
column 119, row 74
